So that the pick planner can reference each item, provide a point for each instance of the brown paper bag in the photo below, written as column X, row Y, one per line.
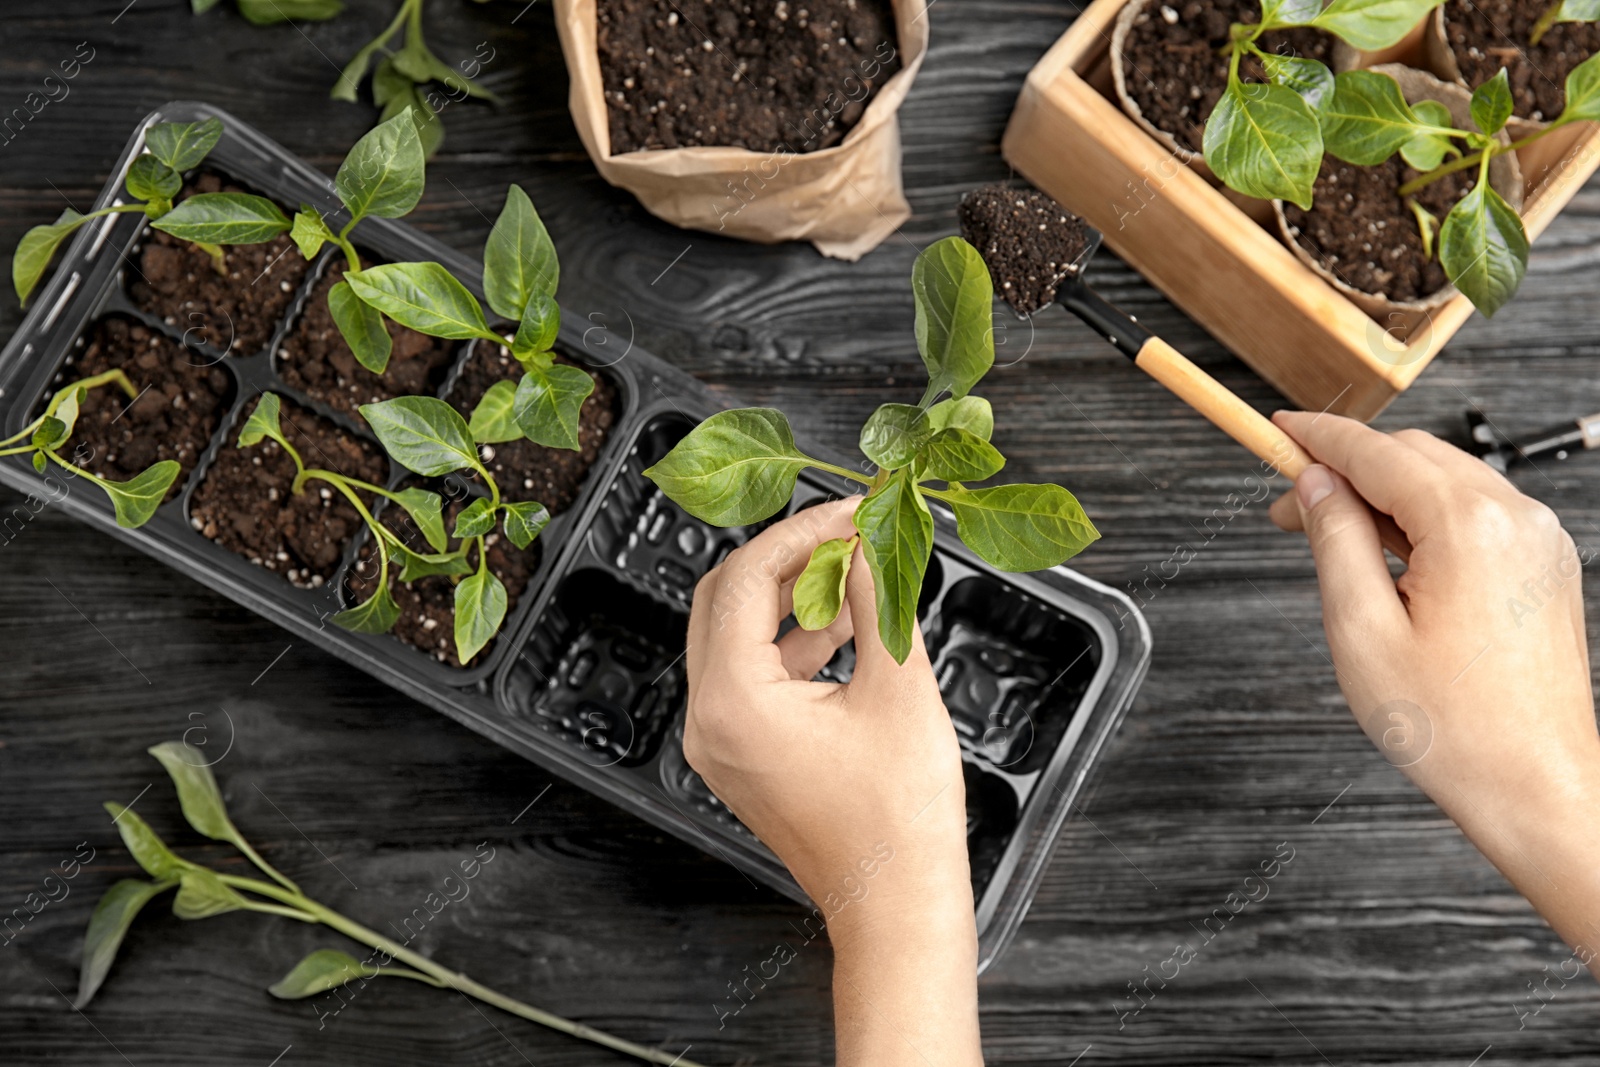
column 845, row 199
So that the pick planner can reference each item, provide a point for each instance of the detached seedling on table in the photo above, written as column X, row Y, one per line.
column 383, row 177
column 427, row 436
column 739, row 467
column 203, row 893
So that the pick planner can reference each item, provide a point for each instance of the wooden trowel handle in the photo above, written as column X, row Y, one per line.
column 1243, row 423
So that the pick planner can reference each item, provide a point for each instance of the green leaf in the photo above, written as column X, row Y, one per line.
column 480, row 609
column 181, row 145
column 1583, row 90
column 971, row 413
column 224, row 219
column 422, row 434
column 1426, row 151
column 416, row 62
column 1491, row 103
column 954, row 299
column 1578, row 11
column 1265, row 141
column 39, row 462
column 198, row 793
column 894, row 434
column 202, row 6
column 66, row 412
column 147, row 849
column 270, row 12
column 427, row 511
column 541, row 321
column 524, row 521
column 1483, row 248
column 137, row 499
column 430, row 129
column 383, row 174
column 494, row 419
column 1289, row 12
column 475, row 520
column 415, row 565
column 736, row 468
column 423, row 296
column 52, row 432
column 219, row 258
column 1021, row 527
column 361, row 326
column 350, row 77
column 548, row 402
column 1372, row 25
column 201, row 895
column 820, row 589
column 1367, row 120
column 958, row 455
column 897, row 539
column 1312, row 80
column 36, row 249
column 519, row 258
column 107, row 927
column 324, row 969
column 150, row 179
column 309, row 232
column 263, row 422
column 375, row 615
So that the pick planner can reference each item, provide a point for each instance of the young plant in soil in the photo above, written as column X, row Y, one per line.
column 739, row 467
column 429, row 437
column 1481, row 243
column 203, row 893
column 135, row 500
column 1563, row 11
column 170, row 148
column 383, row 177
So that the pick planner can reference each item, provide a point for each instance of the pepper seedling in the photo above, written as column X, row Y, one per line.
column 1481, row 244
column 1563, row 11
column 383, row 177
column 739, row 467
column 134, row 500
column 155, row 177
column 1266, row 140
column 203, row 893
column 429, row 437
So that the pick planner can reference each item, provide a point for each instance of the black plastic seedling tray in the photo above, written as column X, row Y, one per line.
column 586, row 678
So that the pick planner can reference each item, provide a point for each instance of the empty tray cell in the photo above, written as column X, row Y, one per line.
column 235, row 309
column 181, row 399
column 991, row 820
column 1012, row 670
column 603, row 670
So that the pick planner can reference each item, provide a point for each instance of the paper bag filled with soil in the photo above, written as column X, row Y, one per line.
column 844, row 199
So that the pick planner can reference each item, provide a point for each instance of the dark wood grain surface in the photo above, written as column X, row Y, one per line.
column 1386, row 939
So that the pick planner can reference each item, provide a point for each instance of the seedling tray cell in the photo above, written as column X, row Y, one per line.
column 587, row 678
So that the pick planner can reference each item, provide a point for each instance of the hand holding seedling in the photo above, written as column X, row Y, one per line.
column 1471, row 671
column 857, row 787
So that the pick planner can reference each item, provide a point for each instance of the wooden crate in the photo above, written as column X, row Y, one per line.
column 1213, row 252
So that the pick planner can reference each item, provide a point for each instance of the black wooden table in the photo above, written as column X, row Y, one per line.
column 1386, row 938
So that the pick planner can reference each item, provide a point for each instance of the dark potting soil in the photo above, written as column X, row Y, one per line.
column 1175, row 73
column 244, row 503
column 1486, row 35
column 525, row 470
column 315, row 359
column 1030, row 242
column 1361, row 231
column 755, row 74
column 180, row 401
column 235, row 311
column 427, row 606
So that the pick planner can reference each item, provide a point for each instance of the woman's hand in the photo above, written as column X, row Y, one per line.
column 857, row 787
column 1471, row 671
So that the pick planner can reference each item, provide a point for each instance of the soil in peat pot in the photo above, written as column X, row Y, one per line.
column 525, row 470
column 1361, row 231
column 1486, row 35
column 1175, row 72
column 315, row 359
column 234, row 311
column 755, row 74
column 427, row 606
column 181, row 399
column 1030, row 242
column 244, row 503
